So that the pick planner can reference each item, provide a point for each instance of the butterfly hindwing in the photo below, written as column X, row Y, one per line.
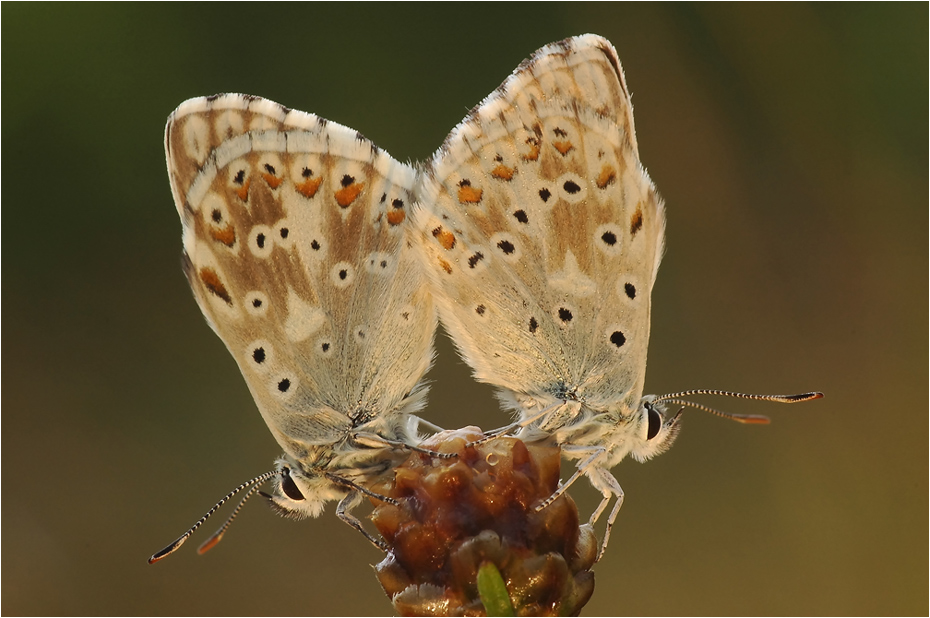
column 294, row 246
column 542, row 232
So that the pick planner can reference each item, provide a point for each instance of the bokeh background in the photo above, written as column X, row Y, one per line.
column 790, row 143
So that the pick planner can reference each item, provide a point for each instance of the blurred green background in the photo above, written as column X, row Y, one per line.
column 790, row 144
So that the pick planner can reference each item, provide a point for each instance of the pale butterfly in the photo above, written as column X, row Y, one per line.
column 296, row 251
column 543, row 233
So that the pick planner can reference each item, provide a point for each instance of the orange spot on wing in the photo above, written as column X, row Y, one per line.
column 212, row 282
column 446, row 266
column 563, row 147
column 469, row 195
column 503, row 172
column 606, row 177
column 273, row 181
column 636, row 221
column 243, row 191
column 533, row 153
column 346, row 195
column 446, row 238
column 309, row 187
column 227, row 235
column 396, row 216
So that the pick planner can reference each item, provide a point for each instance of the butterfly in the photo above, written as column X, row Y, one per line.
column 295, row 247
column 542, row 234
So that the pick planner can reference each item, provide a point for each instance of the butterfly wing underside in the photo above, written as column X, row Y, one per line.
column 294, row 246
column 542, row 232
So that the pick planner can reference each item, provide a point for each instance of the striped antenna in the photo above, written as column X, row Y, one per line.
column 218, row 535
column 254, row 484
column 756, row 419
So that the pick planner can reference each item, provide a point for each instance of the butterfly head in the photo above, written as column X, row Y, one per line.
column 655, row 429
column 298, row 494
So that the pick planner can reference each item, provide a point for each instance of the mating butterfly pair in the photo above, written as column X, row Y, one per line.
column 534, row 229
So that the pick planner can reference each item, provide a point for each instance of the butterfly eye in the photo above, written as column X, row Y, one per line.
column 289, row 487
column 655, row 423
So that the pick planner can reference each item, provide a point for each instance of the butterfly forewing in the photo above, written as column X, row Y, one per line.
column 583, row 69
column 294, row 246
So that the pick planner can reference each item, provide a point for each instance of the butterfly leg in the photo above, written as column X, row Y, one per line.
column 520, row 424
column 593, row 454
column 428, row 426
column 607, row 484
column 355, row 487
column 344, row 512
column 373, row 440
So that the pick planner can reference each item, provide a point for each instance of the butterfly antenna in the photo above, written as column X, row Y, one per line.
column 254, row 484
column 757, row 419
column 217, row 536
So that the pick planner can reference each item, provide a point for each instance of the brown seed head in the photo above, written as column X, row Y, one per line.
column 455, row 514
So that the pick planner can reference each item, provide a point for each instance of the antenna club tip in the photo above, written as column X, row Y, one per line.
column 804, row 397
column 156, row 557
column 209, row 544
column 751, row 419
column 167, row 551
